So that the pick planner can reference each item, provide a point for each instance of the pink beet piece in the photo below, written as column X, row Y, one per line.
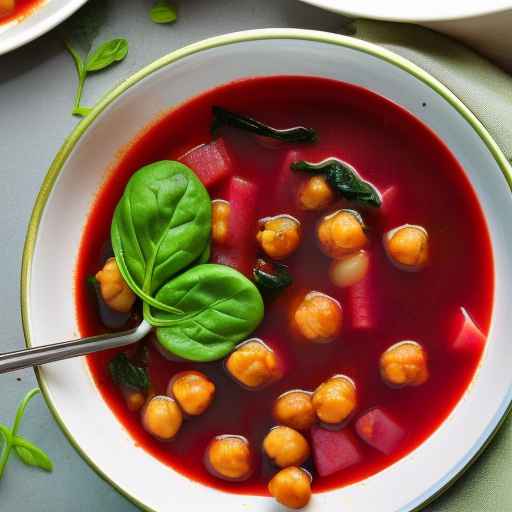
column 333, row 451
column 387, row 211
column 379, row 430
column 211, row 162
column 469, row 339
column 239, row 251
column 288, row 182
column 361, row 304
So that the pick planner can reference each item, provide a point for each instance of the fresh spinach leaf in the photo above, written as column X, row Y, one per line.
column 126, row 374
column 219, row 305
column 223, row 117
column 27, row 451
column 162, row 12
column 344, row 179
column 271, row 276
column 106, row 54
column 31, row 455
column 161, row 225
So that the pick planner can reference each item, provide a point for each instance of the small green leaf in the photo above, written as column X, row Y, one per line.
column 31, row 455
column 126, row 374
column 162, row 12
column 107, row 54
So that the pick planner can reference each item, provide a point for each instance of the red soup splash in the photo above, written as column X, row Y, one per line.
column 421, row 183
column 21, row 9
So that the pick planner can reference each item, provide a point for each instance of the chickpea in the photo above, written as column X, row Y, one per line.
column 194, row 391
column 341, row 233
column 335, row 399
column 134, row 400
column 318, row 318
column 286, row 447
column 295, row 410
column 350, row 269
column 279, row 236
column 254, row 365
column 114, row 290
column 162, row 417
column 315, row 194
column 221, row 210
column 229, row 457
column 404, row 364
column 291, row 487
column 407, row 247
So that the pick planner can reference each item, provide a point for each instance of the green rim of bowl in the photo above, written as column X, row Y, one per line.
column 214, row 42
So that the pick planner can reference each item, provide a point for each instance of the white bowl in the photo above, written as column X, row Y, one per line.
column 16, row 33
column 79, row 169
column 405, row 10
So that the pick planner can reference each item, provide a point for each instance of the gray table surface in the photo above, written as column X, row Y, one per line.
column 37, row 85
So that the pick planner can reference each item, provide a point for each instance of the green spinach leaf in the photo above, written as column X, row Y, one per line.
column 106, row 54
column 219, row 305
column 126, row 374
column 31, row 455
column 344, row 179
column 223, row 117
column 162, row 12
column 161, row 225
column 271, row 276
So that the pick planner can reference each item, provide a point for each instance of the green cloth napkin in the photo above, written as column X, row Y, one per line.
column 487, row 91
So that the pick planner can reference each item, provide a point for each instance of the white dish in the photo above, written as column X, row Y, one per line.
column 79, row 170
column 45, row 17
column 405, row 10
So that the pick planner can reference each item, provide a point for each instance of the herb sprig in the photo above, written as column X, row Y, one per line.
column 343, row 178
column 162, row 12
column 223, row 117
column 26, row 451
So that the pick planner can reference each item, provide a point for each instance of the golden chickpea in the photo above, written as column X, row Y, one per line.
column 134, row 400
column 318, row 318
column 194, row 391
column 404, row 364
column 254, row 365
column 162, row 417
column 114, row 290
column 335, row 399
column 341, row 233
column 315, row 194
column 350, row 269
column 221, row 210
column 286, row 447
column 229, row 457
column 291, row 487
column 295, row 410
column 279, row 236
column 407, row 247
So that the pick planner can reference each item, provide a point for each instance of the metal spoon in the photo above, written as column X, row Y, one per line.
column 36, row 356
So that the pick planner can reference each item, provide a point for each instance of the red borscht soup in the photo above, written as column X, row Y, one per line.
column 374, row 264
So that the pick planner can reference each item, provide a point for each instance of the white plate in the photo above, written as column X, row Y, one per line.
column 45, row 17
column 79, row 170
column 407, row 10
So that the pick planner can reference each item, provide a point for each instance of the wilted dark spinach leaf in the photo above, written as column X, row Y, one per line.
column 126, row 374
column 271, row 276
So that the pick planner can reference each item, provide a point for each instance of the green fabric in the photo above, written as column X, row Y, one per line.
column 487, row 91
column 483, row 87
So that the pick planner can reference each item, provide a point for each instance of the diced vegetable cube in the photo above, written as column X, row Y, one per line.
column 211, row 162
column 361, row 304
column 333, row 451
column 288, row 181
column 469, row 339
column 379, row 430
column 239, row 251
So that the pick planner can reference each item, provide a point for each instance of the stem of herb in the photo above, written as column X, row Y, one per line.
column 4, row 457
column 82, row 74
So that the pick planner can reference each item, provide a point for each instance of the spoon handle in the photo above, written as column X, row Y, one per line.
column 11, row 361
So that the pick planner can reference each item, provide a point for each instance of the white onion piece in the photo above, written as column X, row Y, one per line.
column 349, row 270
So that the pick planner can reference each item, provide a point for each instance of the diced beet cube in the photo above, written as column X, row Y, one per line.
column 211, row 162
column 361, row 304
column 240, row 250
column 288, row 182
column 469, row 339
column 379, row 430
column 333, row 451
column 388, row 207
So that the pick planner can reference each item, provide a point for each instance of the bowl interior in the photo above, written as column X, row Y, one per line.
column 79, row 170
